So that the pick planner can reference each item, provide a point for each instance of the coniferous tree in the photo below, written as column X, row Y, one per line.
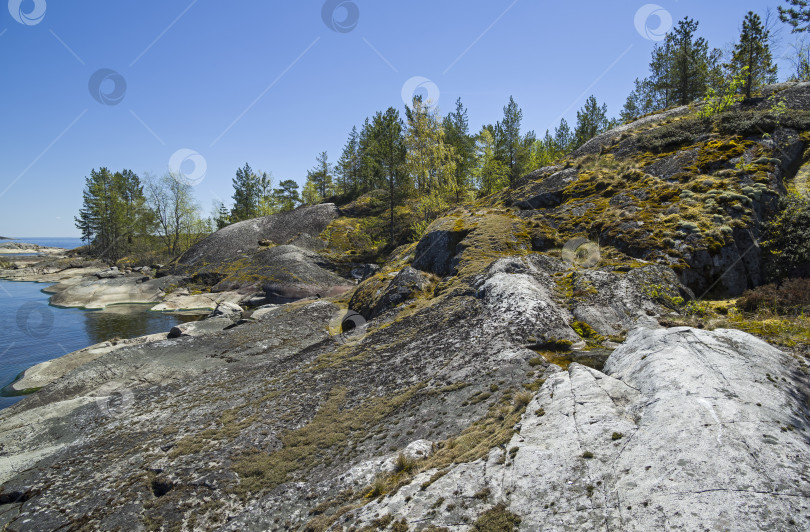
column 752, row 55
column 386, row 152
column 287, row 195
column 368, row 171
column 563, row 138
column 246, row 192
column 591, row 121
column 797, row 15
column 511, row 148
column 348, row 166
column 221, row 215
column 682, row 68
column 691, row 63
column 113, row 213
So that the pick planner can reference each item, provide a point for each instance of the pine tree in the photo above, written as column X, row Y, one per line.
column 348, row 166
column 682, row 68
column 752, row 55
column 509, row 141
column 563, row 138
column 591, row 121
column 691, row 63
column 221, row 216
column 797, row 15
column 386, row 152
column 287, row 195
column 246, row 189
column 369, row 173
column 113, row 213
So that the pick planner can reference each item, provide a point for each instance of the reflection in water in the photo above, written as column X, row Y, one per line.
column 129, row 321
column 32, row 332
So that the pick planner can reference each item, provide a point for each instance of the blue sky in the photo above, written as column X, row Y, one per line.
column 272, row 84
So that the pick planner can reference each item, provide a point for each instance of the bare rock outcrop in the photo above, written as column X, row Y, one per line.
column 685, row 430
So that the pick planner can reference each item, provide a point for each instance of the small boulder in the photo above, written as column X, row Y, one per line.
column 361, row 273
column 110, row 273
column 371, row 301
column 262, row 311
column 200, row 328
column 232, row 311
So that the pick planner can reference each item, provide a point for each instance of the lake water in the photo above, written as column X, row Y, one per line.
column 52, row 242
column 31, row 331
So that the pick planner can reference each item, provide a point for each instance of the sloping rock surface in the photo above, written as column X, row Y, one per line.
column 276, row 254
column 685, row 430
column 244, row 237
column 163, row 427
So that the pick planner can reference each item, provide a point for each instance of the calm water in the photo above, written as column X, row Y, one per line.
column 32, row 332
column 53, row 242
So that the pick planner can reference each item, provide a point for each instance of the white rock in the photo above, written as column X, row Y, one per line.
column 227, row 309
column 686, row 430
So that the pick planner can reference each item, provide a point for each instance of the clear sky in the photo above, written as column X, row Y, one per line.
column 273, row 83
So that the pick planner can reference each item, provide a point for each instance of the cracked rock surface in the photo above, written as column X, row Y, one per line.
column 685, row 430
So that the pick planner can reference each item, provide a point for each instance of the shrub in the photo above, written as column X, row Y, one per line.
column 746, row 123
column 378, row 488
column 522, row 399
column 715, row 103
column 668, row 137
column 497, row 519
column 786, row 239
column 555, row 344
column 793, row 297
column 403, row 464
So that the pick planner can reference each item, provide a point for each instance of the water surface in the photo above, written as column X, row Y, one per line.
column 31, row 331
column 51, row 242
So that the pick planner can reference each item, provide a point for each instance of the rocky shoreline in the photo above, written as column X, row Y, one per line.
column 14, row 248
column 479, row 375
